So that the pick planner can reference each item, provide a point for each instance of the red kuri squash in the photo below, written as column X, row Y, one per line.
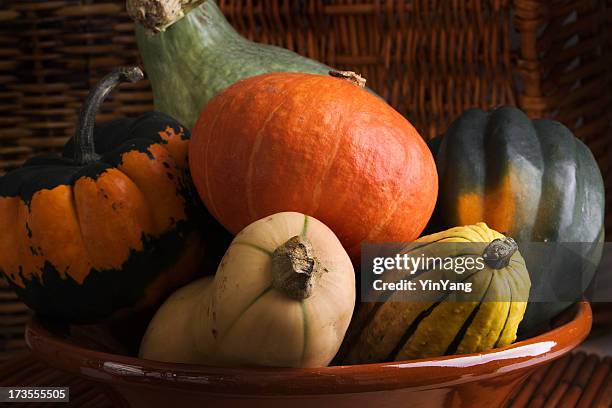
column 319, row 145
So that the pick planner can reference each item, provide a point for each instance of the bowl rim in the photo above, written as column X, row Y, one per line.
column 426, row 373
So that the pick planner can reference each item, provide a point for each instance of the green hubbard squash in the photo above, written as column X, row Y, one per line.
column 191, row 53
column 283, row 296
column 110, row 225
column 536, row 182
column 397, row 329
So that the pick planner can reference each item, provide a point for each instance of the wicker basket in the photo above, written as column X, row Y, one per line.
column 431, row 59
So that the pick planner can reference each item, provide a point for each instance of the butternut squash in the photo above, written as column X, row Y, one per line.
column 283, row 296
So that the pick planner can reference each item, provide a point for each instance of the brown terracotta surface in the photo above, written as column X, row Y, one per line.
column 473, row 380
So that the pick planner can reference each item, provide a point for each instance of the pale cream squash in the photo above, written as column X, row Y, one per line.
column 283, row 296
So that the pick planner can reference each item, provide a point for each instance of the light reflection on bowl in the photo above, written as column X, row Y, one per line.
column 472, row 380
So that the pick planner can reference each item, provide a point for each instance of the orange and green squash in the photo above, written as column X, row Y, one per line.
column 107, row 226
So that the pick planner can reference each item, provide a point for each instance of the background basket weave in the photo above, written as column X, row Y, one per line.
column 431, row 59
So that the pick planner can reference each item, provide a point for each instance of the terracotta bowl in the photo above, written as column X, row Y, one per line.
column 473, row 380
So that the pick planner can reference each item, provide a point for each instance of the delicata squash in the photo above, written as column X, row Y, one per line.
column 398, row 329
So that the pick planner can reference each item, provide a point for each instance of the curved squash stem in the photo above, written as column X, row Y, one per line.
column 350, row 76
column 498, row 253
column 295, row 269
column 157, row 15
column 84, row 149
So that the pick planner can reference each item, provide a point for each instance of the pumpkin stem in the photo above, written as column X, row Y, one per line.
column 295, row 268
column 84, row 149
column 498, row 253
column 350, row 76
column 157, row 15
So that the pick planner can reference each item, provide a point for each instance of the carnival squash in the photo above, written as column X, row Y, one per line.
column 108, row 225
column 283, row 296
column 446, row 322
column 315, row 144
column 536, row 182
column 191, row 53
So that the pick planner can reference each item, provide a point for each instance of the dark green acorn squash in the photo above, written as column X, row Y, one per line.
column 531, row 180
column 110, row 226
column 191, row 53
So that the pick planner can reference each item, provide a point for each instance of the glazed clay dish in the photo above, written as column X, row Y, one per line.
column 472, row 380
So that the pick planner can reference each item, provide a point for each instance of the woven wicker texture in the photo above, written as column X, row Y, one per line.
column 577, row 380
column 565, row 62
column 26, row 370
column 11, row 153
column 431, row 59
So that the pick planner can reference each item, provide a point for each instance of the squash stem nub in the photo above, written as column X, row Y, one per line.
column 350, row 76
column 84, row 149
column 498, row 253
column 295, row 268
column 157, row 15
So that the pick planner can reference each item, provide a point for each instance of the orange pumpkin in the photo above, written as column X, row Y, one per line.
column 319, row 145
